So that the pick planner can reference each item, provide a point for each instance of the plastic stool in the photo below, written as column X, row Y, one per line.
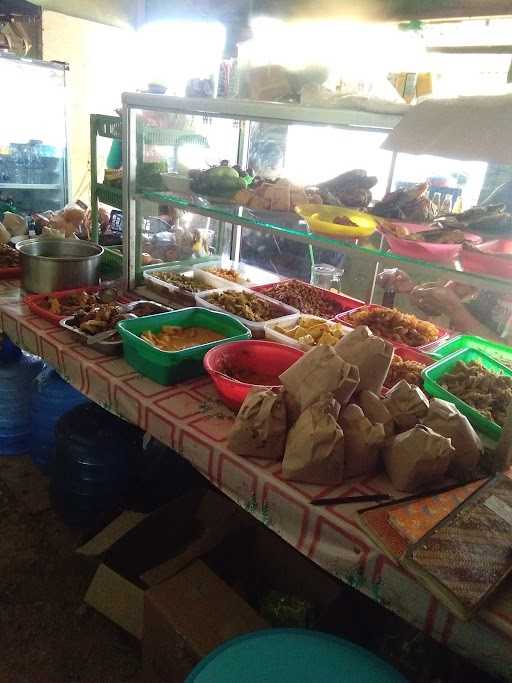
column 290, row 656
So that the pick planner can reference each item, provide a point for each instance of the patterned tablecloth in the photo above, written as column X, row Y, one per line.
column 190, row 418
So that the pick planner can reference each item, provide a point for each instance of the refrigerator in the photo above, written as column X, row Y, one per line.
column 33, row 141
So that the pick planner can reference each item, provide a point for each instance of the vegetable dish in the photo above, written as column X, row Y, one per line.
column 396, row 326
column 189, row 284
column 401, row 368
column 306, row 298
column 173, row 338
column 244, row 304
column 313, row 332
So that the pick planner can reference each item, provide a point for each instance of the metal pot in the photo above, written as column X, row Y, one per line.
column 49, row 265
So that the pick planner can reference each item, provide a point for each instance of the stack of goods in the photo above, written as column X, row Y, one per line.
column 329, row 422
column 352, row 188
column 412, row 205
column 13, row 226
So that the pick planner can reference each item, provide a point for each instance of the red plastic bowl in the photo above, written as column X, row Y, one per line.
column 490, row 258
column 445, row 253
column 268, row 358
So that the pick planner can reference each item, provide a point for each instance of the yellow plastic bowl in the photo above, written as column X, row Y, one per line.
column 320, row 220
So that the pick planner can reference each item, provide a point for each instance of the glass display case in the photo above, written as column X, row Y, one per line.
column 462, row 285
column 33, row 144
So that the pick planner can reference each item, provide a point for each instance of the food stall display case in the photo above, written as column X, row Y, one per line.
column 305, row 144
column 33, row 148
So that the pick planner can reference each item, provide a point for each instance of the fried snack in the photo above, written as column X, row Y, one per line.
column 307, row 299
column 313, row 332
column 396, row 326
column 401, row 368
column 244, row 304
column 227, row 274
column 189, row 284
column 98, row 319
column 173, row 338
column 487, row 392
column 9, row 257
column 71, row 303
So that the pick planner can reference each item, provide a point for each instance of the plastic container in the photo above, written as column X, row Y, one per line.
column 408, row 353
column 170, row 367
column 341, row 301
column 143, row 308
column 260, row 356
column 34, row 302
column 173, row 291
column 51, row 397
column 445, row 253
column 95, row 452
column 500, row 352
column 320, row 220
column 443, row 334
column 494, row 257
column 272, row 335
column 15, row 387
column 432, row 378
column 283, row 313
column 249, row 276
column 292, row 655
column 107, row 347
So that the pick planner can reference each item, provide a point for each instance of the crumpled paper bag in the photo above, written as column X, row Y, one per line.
column 260, row 426
column 375, row 410
column 407, row 404
column 319, row 371
column 444, row 418
column 314, row 448
column 417, row 458
column 371, row 354
column 363, row 441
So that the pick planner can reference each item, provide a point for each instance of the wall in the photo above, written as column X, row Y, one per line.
column 100, row 70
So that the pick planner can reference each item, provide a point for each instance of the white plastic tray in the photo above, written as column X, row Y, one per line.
column 272, row 335
column 284, row 313
column 251, row 275
column 170, row 290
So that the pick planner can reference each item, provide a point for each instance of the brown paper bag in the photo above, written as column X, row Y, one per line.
column 407, row 404
column 375, row 410
column 371, row 354
column 319, row 371
column 444, row 418
column 362, row 441
column 314, row 448
column 417, row 458
column 260, row 427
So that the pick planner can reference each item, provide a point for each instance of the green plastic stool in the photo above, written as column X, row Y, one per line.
column 292, row 656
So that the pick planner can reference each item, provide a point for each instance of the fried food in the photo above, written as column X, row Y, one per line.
column 9, row 257
column 244, row 304
column 189, row 284
column 396, row 326
column 71, row 303
column 306, row 298
column 313, row 332
column 227, row 274
column 173, row 338
column 488, row 392
column 99, row 319
column 400, row 368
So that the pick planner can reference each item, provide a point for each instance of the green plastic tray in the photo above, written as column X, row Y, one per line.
column 171, row 367
column 500, row 352
column 432, row 376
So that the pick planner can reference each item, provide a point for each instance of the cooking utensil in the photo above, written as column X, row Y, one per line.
column 49, row 265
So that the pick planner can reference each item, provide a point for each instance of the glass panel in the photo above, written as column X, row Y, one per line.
column 32, row 146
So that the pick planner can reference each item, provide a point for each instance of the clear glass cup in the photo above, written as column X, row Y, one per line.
column 326, row 276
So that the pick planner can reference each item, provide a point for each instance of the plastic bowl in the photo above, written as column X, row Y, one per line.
column 320, row 220
column 260, row 356
column 446, row 253
column 493, row 257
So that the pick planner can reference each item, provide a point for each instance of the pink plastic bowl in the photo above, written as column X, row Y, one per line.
column 446, row 253
column 268, row 358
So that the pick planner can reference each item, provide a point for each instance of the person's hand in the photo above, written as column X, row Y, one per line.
column 394, row 279
column 435, row 299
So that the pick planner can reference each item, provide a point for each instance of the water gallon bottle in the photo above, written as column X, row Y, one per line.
column 50, row 398
column 16, row 376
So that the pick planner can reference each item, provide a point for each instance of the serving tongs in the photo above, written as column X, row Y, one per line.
column 106, row 334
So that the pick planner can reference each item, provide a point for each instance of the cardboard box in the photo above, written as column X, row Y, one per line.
column 154, row 549
column 188, row 616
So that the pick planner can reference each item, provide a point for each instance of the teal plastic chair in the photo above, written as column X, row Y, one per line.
column 292, row 656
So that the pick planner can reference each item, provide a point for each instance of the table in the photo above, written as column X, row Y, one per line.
column 191, row 419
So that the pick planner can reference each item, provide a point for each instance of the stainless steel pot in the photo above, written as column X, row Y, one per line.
column 49, row 265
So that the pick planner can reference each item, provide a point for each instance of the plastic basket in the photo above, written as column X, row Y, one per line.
column 500, row 352
column 109, row 127
column 433, row 376
column 111, row 196
column 171, row 367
